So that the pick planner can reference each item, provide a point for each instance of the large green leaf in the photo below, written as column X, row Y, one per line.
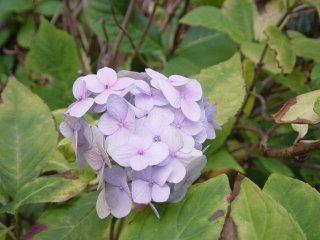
column 316, row 107
column 208, row 50
column 285, row 54
column 299, row 110
column 77, row 220
column 53, row 62
column 253, row 51
column 224, row 85
column 300, row 200
column 208, row 17
column 222, row 160
column 200, row 215
column 46, row 189
column 271, row 165
column 307, row 47
column 239, row 14
column 236, row 20
column 27, row 136
column 295, row 81
column 258, row 216
column 269, row 13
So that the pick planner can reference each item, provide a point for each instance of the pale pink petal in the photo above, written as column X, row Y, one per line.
column 201, row 136
column 102, row 97
column 144, row 102
column 118, row 200
column 115, row 176
column 117, row 108
column 79, row 88
column 192, row 90
column 170, row 93
column 188, row 142
column 172, row 137
column 191, row 128
column 94, row 159
column 158, row 98
column 138, row 162
column 93, row 84
column 122, row 154
column 155, row 75
column 107, row 76
column 160, row 193
column 122, row 83
column 190, row 109
column 141, row 192
column 108, row 125
column 102, row 208
column 145, row 174
column 141, row 87
column 66, row 130
column 78, row 109
column 161, row 174
column 178, row 171
column 157, row 153
column 177, row 80
column 129, row 122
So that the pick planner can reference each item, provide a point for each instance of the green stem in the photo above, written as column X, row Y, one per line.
column 112, row 227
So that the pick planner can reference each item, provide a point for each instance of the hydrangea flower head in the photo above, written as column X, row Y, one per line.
column 146, row 146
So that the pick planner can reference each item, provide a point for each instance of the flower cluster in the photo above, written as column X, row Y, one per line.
column 146, row 146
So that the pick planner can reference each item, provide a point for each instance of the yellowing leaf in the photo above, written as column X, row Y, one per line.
column 299, row 110
column 281, row 45
column 224, row 85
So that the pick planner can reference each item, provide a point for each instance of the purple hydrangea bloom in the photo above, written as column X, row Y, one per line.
column 83, row 103
column 150, row 185
column 146, row 147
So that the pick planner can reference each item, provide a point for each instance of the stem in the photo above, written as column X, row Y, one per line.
column 8, row 231
column 112, row 227
column 119, row 228
column 259, row 66
column 122, row 29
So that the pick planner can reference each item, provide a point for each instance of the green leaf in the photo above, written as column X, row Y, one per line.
column 285, row 54
column 235, row 21
column 258, row 216
column 208, row 50
column 299, row 110
column 208, row 17
column 316, row 107
column 200, row 215
column 26, row 33
column 307, row 48
column 49, row 7
column 222, row 160
column 295, row 81
column 315, row 76
column 253, row 51
column 14, row 6
column 239, row 14
column 53, row 55
column 46, row 189
column 58, row 163
column 271, row 165
column 27, row 136
column 224, row 85
column 77, row 220
column 300, row 199
column 269, row 13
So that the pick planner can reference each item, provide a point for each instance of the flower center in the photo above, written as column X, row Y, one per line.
column 157, row 138
column 140, row 152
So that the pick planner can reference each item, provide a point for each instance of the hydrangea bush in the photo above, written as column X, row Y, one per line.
column 147, row 146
